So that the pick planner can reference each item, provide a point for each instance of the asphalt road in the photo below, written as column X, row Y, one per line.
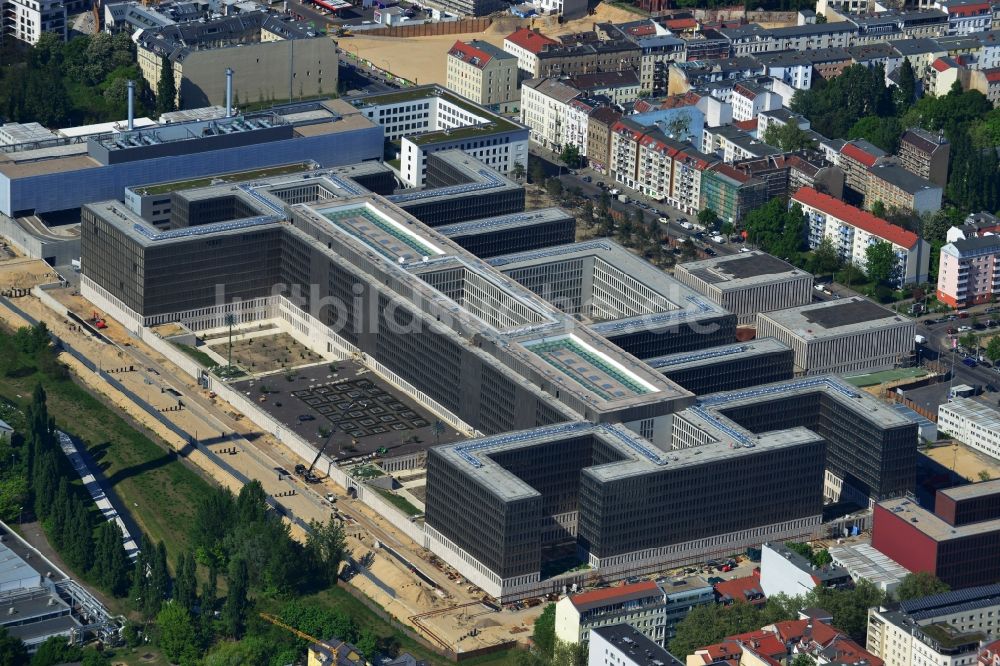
column 939, row 347
column 649, row 216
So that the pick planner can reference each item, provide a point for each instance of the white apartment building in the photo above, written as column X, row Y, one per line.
column 940, row 630
column 749, row 99
column 621, row 645
column 966, row 17
column 576, row 125
column 525, row 45
column 26, row 20
column 973, row 423
column 852, row 230
column 544, row 109
column 483, row 73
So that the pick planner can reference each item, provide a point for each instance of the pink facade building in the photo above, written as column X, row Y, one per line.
column 969, row 271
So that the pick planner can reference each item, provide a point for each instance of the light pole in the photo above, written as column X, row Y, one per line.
column 230, row 322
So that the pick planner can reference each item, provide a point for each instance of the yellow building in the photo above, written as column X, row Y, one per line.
column 484, row 74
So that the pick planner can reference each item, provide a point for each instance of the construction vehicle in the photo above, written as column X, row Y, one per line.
column 334, row 650
column 97, row 320
column 308, row 474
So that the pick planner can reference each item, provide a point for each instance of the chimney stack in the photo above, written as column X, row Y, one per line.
column 131, row 105
column 229, row 92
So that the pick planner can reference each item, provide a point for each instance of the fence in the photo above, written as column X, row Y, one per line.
column 431, row 29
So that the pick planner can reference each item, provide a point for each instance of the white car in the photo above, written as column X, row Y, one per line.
column 663, row 220
column 745, row 249
column 964, row 329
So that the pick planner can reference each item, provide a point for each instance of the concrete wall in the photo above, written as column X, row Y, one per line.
column 57, row 252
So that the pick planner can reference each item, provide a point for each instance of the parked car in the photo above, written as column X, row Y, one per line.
column 664, row 219
column 969, row 361
column 586, row 179
column 306, row 417
column 710, row 252
column 964, row 329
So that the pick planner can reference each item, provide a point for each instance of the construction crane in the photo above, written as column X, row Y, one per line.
column 273, row 619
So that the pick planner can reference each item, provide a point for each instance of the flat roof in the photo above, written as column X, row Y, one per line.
column 704, row 358
column 979, row 413
column 742, row 270
column 838, row 317
column 391, row 238
column 220, row 179
column 930, row 524
column 590, row 367
column 513, row 221
column 640, row 650
column 972, row 490
column 863, row 561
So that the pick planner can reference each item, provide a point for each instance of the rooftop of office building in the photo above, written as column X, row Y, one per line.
column 667, row 302
column 703, row 357
column 101, row 145
column 935, row 527
column 863, row 561
column 742, row 270
column 511, row 221
column 486, row 122
column 709, row 412
column 971, row 490
column 834, row 318
column 820, row 574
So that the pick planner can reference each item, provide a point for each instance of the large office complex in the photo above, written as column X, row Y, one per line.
column 728, row 367
column 428, row 119
column 841, row 336
column 940, row 629
column 517, row 232
column 621, row 297
column 72, row 168
column 957, row 542
column 748, row 283
column 973, row 423
column 273, row 58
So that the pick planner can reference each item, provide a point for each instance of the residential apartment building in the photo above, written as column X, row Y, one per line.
column 855, row 158
column 485, row 74
column 272, row 57
column 973, row 423
column 986, row 81
column 27, row 20
column 925, row 154
column 852, row 230
column 544, row 107
column 750, row 99
column 619, row 87
column 781, row 643
column 897, row 188
column 622, row 645
column 617, row 55
column 525, row 45
column 731, row 193
column 650, row 608
column 783, row 571
column 957, row 542
column 966, row 17
column 599, row 124
column 969, row 271
column 940, row 630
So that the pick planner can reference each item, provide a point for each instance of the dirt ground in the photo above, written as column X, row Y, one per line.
column 423, row 58
column 965, row 461
column 266, row 353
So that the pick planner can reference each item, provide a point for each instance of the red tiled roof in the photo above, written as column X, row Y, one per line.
column 941, row 65
column 856, row 153
column 736, row 588
column 992, row 75
column 681, row 24
column 597, row 597
column 530, row 40
column 470, row 54
column 859, row 218
column 763, row 643
column 746, row 125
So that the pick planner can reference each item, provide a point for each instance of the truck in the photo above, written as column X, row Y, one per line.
column 623, row 198
column 920, row 339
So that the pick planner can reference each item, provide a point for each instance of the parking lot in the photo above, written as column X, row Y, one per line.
column 360, row 413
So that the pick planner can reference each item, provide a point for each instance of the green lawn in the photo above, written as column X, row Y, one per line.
column 238, row 176
column 198, row 355
column 157, row 489
column 400, row 503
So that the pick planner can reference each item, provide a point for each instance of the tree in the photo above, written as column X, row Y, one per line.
column 708, row 219
column 787, row 137
column 12, row 651
column 882, row 264
column 166, row 87
column 544, row 634
column 883, row 132
column 984, row 475
column 920, row 584
column 517, row 171
column 325, row 545
column 569, row 654
column 554, row 187
column 367, row 644
column 803, row 660
column 825, row 259
column 185, row 582
column 158, row 583
column 235, row 608
column 849, row 607
column 710, row 623
column 56, row 650
column 878, row 209
column 176, row 634
column 906, row 91
column 570, row 155
column 537, row 171
column 993, row 349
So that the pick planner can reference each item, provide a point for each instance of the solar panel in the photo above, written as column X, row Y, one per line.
column 204, row 230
